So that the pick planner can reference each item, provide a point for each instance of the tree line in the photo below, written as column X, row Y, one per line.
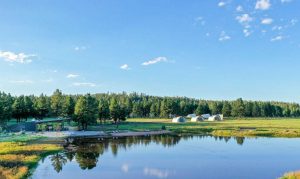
column 86, row 109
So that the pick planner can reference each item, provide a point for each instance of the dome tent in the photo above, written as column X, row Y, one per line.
column 178, row 119
column 197, row 118
column 218, row 117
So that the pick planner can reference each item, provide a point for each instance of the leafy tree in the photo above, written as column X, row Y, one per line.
column 114, row 109
column 286, row 112
column 248, row 109
column 103, row 109
column 6, row 111
column 256, row 112
column 68, row 107
column 86, row 111
column 154, row 110
column 57, row 103
column 238, row 108
column 226, row 110
column 214, row 108
column 166, row 108
column 137, row 110
column 29, row 108
column 202, row 108
column 122, row 112
column 41, row 106
column 18, row 108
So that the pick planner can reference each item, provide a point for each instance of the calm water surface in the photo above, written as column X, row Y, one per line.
column 173, row 157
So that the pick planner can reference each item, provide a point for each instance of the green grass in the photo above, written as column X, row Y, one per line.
column 12, row 137
column 270, row 127
column 17, row 159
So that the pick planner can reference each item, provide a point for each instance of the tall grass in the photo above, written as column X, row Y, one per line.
column 18, row 158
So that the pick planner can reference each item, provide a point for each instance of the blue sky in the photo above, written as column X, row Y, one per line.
column 203, row 49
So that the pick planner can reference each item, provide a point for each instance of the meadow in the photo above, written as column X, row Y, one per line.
column 268, row 127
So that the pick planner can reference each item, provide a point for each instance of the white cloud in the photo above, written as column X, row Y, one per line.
column 267, row 21
column 263, row 4
column 277, row 38
column 244, row 19
column 277, row 28
column 125, row 67
column 125, row 168
column 293, row 22
column 239, row 8
column 80, row 48
column 84, row 84
column 155, row 60
column 22, row 81
column 224, row 36
column 200, row 20
column 14, row 57
column 247, row 32
column 72, row 76
column 156, row 172
column 221, row 3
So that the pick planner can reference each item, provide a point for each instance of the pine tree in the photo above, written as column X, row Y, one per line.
column 57, row 103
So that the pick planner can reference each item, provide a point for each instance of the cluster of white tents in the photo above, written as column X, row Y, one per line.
column 195, row 118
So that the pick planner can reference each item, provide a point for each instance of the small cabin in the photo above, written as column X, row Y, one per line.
column 179, row 119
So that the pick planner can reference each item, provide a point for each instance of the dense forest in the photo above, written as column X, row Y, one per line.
column 86, row 109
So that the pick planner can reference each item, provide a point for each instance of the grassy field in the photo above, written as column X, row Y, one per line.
column 18, row 156
column 270, row 127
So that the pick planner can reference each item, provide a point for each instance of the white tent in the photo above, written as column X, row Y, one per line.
column 178, row 119
column 196, row 119
column 191, row 115
column 205, row 116
column 218, row 117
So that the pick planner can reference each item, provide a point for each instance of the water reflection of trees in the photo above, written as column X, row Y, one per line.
column 58, row 160
column 87, row 152
column 239, row 140
column 87, row 155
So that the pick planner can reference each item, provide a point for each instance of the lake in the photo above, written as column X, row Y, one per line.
column 173, row 157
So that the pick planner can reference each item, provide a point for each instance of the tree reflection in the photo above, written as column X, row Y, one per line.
column 87, row 152
column 58, row 160
column 70, row 155
column 87, row 155
column 240, row 140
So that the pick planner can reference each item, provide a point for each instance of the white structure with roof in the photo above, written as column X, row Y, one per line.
column 197, row 118
column 205, row 116
column 178, row 119
column 218, row 117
